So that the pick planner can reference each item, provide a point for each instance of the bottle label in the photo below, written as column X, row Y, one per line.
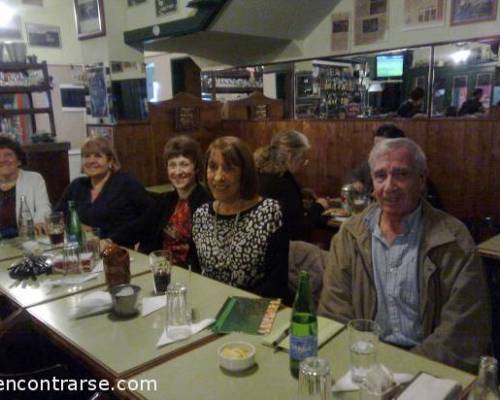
column 303, row 346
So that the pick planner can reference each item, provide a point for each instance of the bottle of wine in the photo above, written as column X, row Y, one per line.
column 75, row 233
column 25, row 223
column 485, row 387
column 303, row 326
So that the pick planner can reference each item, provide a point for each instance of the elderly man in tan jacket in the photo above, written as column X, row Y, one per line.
column 410, row 267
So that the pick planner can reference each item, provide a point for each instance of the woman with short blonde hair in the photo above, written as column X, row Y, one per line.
column 106, row 197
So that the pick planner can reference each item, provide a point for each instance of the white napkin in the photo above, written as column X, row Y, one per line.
column 151, row 304
column 70, row 280
column 195, row 328
column 431, row 388
column 345, row 383
column 45, row 240
column 93, row 303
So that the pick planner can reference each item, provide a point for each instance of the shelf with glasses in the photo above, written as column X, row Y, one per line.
column 236, row 81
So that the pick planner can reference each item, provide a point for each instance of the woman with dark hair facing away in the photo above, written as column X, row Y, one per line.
column 240, row 237
column 16, row 182
column 276, row 165
column 413, row 106
column 171, row 217
column 106, row 198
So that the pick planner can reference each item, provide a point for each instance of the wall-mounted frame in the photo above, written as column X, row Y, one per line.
column 89, row 18
column 187, row 119
column 467, row 12
column 43, row 35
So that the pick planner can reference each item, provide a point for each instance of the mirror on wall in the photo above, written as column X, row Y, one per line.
column 366, row 85
column 466, row 78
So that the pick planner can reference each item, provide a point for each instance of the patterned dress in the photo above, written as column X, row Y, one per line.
column 246, row 250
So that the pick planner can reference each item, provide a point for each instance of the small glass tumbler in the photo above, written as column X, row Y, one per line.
column 161, row 267
column 178, row 324
column 71, row 258
column 314, row 379
column 54, row 224
column 92, row 249
column 363, row 343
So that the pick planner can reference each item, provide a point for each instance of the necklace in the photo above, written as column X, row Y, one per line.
column 222, row 246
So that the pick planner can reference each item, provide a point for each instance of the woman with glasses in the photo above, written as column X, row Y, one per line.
column 277, row 164
column 171, row 218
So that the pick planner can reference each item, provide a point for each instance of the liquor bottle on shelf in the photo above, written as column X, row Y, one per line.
column 25, row 222
column 485, row 387
column 303, row 325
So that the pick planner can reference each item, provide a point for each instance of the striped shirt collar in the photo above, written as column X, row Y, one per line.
column 410, row 222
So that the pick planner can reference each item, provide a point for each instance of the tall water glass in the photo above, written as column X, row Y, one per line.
column 314, row 379
column 54, row 223
column 71, row 258
column 178, row 326
column 363, row 343
column 92, row 249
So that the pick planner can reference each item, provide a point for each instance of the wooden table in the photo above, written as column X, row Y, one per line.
column 167, row 187
column 196, row 375
column 28, row 293
column 490, row 248
column 115, row 347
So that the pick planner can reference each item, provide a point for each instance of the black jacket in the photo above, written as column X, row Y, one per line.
column 117, row 210
column 158, row 216
column 287, row 191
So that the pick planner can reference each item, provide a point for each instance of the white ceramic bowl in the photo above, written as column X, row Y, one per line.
column 236, row 356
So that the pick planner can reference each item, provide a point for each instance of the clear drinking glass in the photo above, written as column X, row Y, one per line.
column 359, row 202
column 92, row 249
column 363, row 343
column 54, row 224
column 161, row 267
column 314, row 379
column 71, row 258
column 178, row 325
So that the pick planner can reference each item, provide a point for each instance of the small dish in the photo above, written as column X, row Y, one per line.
column 236, row 356
column 124, row 298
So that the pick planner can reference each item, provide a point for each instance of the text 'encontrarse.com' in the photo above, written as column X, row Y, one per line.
column 75, row 385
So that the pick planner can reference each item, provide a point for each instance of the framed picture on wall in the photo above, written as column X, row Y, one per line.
column 165, row 6
column 466, row 12
column 43, row 35
column 89, row 17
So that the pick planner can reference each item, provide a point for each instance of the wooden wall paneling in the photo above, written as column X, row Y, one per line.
column 134, row 147
column 492, row 195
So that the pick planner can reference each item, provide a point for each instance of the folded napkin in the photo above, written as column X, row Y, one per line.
column 345, row 383
column 151, row 304
column 428, row 387
column 70, row 280
column 195, row 328
column 93, row 303
column 327, row 328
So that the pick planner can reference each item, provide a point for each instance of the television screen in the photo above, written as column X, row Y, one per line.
column 390, row 66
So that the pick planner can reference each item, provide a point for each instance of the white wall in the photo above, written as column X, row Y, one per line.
column 144, row 14
column 162, row 73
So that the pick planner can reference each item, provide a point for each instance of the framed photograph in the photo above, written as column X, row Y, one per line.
column 420, row 14
column 98, row 93
column 12, row 30
column 165, row 6
column 467, row 11
column 340, row 32
column 43, row 35
column 89, row 17
column 187, row 119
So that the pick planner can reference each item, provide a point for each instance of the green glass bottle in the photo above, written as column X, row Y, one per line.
column 75, row 233
column 485, row 387
column 303, row 325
